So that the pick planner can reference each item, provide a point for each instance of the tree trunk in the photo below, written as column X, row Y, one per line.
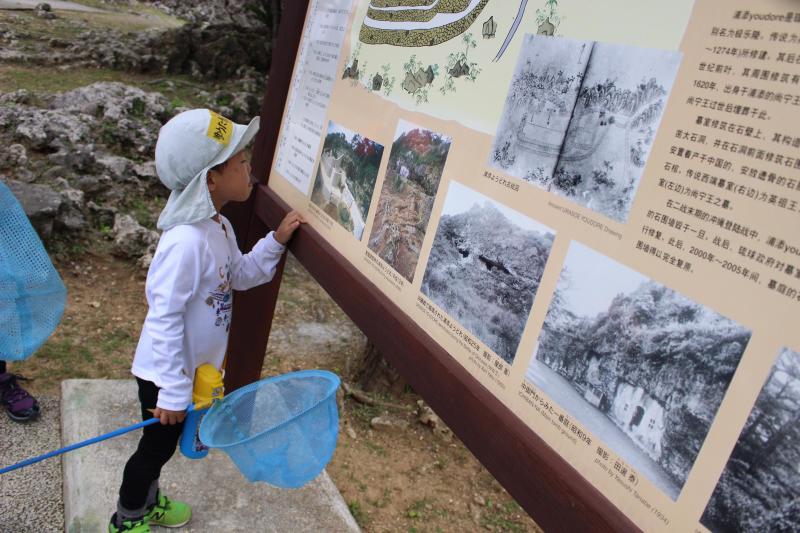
column 372, row 372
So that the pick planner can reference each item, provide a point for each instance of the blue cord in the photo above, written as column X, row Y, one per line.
column 111, row 435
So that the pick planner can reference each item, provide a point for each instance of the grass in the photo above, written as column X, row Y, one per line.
column 377, row 448
column 44, row 79
column 503, row 517
column 358, row 513
column 70, row 24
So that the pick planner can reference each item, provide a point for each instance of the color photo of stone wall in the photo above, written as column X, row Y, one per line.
column 416, row 163
column 348, row 169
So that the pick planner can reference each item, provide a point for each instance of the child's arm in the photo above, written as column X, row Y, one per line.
column 259, row 265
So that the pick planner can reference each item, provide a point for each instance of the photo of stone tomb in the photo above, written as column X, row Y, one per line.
column 485, row 267
column 580, row 118
column 759, row 490
column 416, row 163
column 641, row 366
column 348, row 169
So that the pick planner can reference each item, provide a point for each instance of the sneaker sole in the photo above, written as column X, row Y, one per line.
column 23, row 419
column 171, row 526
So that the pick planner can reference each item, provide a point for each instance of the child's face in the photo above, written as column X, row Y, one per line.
column 231, row 183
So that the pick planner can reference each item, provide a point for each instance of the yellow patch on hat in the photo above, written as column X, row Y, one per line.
column 220, row 129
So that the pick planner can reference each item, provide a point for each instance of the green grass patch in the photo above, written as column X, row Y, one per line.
column 178, row 89
column 506, row 516
column 65, row 354
column 358, row 513
column 377, row 448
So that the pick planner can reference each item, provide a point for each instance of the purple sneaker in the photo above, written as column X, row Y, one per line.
column 20, row 406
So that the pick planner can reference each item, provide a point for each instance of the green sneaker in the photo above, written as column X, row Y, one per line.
column 168, row 513
column 128, row 526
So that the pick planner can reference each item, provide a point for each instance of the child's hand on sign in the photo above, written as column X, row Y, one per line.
column 168, row 417
column 287, row 226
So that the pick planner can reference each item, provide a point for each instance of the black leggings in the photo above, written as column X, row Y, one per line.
column 156, row 446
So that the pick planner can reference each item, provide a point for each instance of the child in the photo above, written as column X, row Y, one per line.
column 197, row 265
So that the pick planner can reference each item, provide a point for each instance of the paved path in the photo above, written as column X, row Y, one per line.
column 223, row 500
column 55, row 4
column 31, row 498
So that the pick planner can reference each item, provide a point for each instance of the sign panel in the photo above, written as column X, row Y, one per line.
column 593, row 207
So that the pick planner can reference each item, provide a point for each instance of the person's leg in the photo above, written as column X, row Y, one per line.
column 139, row 489
column 19, row 404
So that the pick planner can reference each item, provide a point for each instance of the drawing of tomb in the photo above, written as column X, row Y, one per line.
column 580, row 118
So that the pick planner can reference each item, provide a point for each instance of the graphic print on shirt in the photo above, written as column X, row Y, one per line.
column 221, row 298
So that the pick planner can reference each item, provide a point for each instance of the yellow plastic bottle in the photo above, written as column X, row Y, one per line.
column 208, row 387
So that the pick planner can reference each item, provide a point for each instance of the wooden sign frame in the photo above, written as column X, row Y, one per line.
column 556, row 496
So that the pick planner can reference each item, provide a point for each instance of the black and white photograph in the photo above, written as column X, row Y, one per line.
column 641, row 366
column 759, row 489
column 580, row 118
column 485, row 267
column 416, row 164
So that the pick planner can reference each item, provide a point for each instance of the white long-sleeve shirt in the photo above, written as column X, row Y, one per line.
column 189, row 291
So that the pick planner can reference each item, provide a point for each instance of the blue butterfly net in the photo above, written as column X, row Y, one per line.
column 281, row 430
column 32, row 295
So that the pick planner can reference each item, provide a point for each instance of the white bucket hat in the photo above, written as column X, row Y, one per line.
column 190, row 144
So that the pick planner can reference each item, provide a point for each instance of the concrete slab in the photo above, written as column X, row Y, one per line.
column 222, row 500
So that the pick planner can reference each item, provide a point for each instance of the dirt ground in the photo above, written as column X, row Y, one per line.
column 409, row 479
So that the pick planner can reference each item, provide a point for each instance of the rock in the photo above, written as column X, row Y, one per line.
column 94, row 185
column 350, row 432
column 245, row 106
column 388, row 424
column 427, row 417
column 55, row 172
column 116, row 167
column 415, row 81
column 377, row 82
column 460, row 69
column 13, row 156
column 475, row 513
column 70, row 215
column 44, row 11
column 80, row 158
column 24, row 175
column 147, row 258
column 20, row 96
column 114, row 101
column 45, row 130
column 55, row 42
column 130, row 238
column 103, row 215
column 478, row 499
column 147, row 175
column 41, row 204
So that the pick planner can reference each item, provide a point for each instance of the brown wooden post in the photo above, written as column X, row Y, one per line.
column 253, row 310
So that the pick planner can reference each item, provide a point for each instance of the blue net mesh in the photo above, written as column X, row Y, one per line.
column 32, row 295
column 280, row 430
